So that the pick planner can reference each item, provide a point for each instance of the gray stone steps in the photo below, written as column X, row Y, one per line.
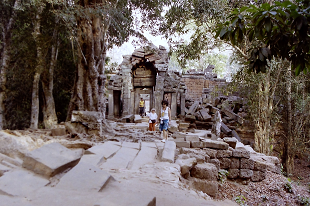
column 122, row 158
column 146, row 155
column 84, row 177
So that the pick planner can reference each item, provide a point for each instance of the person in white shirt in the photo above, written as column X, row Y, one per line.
column 152, row 119
column 165, row 116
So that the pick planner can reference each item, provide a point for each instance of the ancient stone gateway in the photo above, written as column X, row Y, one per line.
column 144, row 74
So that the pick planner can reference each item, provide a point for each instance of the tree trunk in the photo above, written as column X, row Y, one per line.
column 289, row 146
column 262, row 133
column 5, row 59
column 88, row 93
column 49, row 111
column 39, row 68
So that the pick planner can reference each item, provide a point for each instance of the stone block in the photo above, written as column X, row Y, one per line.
column 224, row 163
column 199, row 157
column 173, row 126
column 169, row 152
column 208, row 187
column 186, row 165
column 3, row 169
column 184, row 124
column 235, row 163
column 51, row 159
column 216, row 162
column 231, row 141
column 205, row 114
column 60, row 131
column 241, row 153
column 86, row 116
column 84, row 177
column 246, row 173
column 178, row 135
column 206, row 171
column 260, row 166
column 235, row 134
column 225, row 129
column 193, row 108
column 192, row 138
column 215, row 144
column 258, row 176
column 211, row 152
column 20, row 183
column 246, row 163
column 190, row 118
column 233, row 173
column 223, row 153
column 197, row 144
column 186, row 144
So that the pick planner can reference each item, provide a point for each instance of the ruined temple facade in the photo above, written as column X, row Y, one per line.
column 145, row 74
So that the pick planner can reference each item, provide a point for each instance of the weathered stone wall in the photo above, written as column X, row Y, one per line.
column 195, row 87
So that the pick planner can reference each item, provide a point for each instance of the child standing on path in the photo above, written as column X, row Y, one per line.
column 152, row 119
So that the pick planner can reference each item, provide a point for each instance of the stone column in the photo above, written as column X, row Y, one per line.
column 182, row 104
column 159, row 93
column 137, row 100
column 173, row 105
column 132, row 100
column 111, row 104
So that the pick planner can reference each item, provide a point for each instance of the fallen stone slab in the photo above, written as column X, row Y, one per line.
column 169, row 152
column 225, row 129
column 21, row 182
column 123, row 158
column 231, row 141
column 146, row 155
column 4, row 169
column 17, row 162
column 235, row 134
column 98, row 154
column 205, row 114
column 208, row 143
column 84, row 177
column 51, row 159
column 193, row 108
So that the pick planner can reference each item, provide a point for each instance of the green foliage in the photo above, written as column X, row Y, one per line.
column 288, row 186
column 240, row 200
column 303, row 200
column 223, row 175
column 282, row 30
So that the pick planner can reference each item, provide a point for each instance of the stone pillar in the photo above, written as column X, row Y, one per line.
column 159, row 94
column 132, row 104
column 173, row 105
column 111, row 104
column 137, row 100
column 182, row 104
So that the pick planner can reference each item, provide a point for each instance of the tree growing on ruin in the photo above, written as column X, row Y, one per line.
column 101, row 25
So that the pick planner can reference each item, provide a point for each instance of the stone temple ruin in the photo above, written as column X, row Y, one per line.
column 117, row 161
column 145, row 74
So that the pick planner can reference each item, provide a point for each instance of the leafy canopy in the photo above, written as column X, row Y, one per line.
column 282, row 30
